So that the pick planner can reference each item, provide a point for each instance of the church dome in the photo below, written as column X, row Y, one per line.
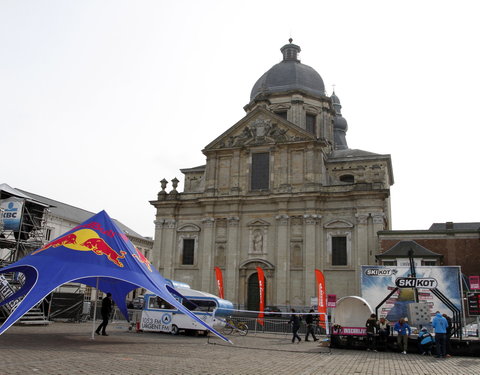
column 289, row 74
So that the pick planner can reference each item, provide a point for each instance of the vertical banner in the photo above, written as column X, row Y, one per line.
column 261, row 287
column 322, row 297
column 474, row 282
column 219, row 277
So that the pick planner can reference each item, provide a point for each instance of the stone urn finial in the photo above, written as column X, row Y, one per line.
column 175, row 184
column 164, row 184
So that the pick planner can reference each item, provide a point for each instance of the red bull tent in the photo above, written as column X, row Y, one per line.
column 96, row 253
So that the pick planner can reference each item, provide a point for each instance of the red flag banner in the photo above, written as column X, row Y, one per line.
column 219, row 277
column 261, row 287
column 322, row 297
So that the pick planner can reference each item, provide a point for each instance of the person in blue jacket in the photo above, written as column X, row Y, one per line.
column 425, row 342
column 403, row 330
column 440, row 325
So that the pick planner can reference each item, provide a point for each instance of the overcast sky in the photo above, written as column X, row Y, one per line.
column 100, row 100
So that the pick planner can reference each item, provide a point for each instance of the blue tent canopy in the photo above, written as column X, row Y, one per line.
column 95, row 253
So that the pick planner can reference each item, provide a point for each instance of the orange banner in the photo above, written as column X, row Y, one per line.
column 322, row 297
column 219, row 277
column 261, row 287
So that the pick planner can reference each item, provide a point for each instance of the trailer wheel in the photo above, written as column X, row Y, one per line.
column 174, row 330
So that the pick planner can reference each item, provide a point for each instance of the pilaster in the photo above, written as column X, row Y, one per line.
column 206, row 253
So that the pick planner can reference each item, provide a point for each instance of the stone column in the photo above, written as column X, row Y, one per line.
column 361, row 256
column 310, row 164
column 158, row 255
column 170, row 244
column 283, row 260
column 297, row 113
column 310, row 223
column 231, row 285
column 378, row 225
column 206, row 253
column 210, row 187
column 235, row 179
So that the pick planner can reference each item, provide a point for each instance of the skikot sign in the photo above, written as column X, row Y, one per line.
column 379, row 281
column 411, row 282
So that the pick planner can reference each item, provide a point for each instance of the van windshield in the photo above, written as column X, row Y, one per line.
column 199, row 305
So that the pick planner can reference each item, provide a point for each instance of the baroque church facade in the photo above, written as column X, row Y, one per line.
column 280, row 190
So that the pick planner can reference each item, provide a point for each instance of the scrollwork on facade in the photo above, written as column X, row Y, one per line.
column 170, row 223
column 282, row 219
column 260, row 131
column 362, row 218
column 159, row 223
column 378, row 218
column 233, row 221
column 311, row 219
column 208, row 221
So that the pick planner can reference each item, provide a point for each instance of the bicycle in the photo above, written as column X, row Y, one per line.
column 232, row 327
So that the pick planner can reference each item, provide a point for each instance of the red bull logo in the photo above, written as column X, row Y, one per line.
column 86, row 240
column 142, row 259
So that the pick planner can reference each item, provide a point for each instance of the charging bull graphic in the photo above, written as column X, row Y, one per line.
column 142, row 259
column 119, row 269
column 86, row 240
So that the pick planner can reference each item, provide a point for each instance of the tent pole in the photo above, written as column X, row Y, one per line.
column 95, row 311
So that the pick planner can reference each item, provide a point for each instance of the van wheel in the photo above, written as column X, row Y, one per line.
column 174, row 330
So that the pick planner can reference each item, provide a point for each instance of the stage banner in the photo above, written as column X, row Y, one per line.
column 261, row 287
column 322, row 297
column 474, row 282
column 219, row 277
column 377, row 282
column 11, row 210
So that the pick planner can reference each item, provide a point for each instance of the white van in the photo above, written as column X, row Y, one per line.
column 159, row 316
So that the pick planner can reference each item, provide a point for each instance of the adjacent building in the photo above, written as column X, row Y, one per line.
column 447, row 244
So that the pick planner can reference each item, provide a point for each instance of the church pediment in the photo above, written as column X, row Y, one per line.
column 338, row 224
column 189, row 228
column 260, row 127
column 258, row 223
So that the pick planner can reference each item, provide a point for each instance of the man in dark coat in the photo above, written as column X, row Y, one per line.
column 295, row 322
column 310, row 320
column 107, row 306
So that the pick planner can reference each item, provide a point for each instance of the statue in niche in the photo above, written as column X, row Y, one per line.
column 257, row 241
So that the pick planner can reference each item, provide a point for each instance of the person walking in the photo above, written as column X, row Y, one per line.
column 372, row 330
column 311, row 321
column 295, row 322
column 440, row 325
column 404, row 331
column 107, row 306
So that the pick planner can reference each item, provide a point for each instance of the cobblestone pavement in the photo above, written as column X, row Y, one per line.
column 68, row 348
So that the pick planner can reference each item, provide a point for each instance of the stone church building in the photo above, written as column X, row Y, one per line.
column 280, row 190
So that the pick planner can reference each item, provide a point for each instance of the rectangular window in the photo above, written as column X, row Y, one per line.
column 339, row 251
column 282, row 114
column 48, row 234
column 429, row 263
column 310, row 123
column 188, row 251
column 390, row 263
column 260, row 171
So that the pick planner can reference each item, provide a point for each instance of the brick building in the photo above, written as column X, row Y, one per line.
column 457, row 243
